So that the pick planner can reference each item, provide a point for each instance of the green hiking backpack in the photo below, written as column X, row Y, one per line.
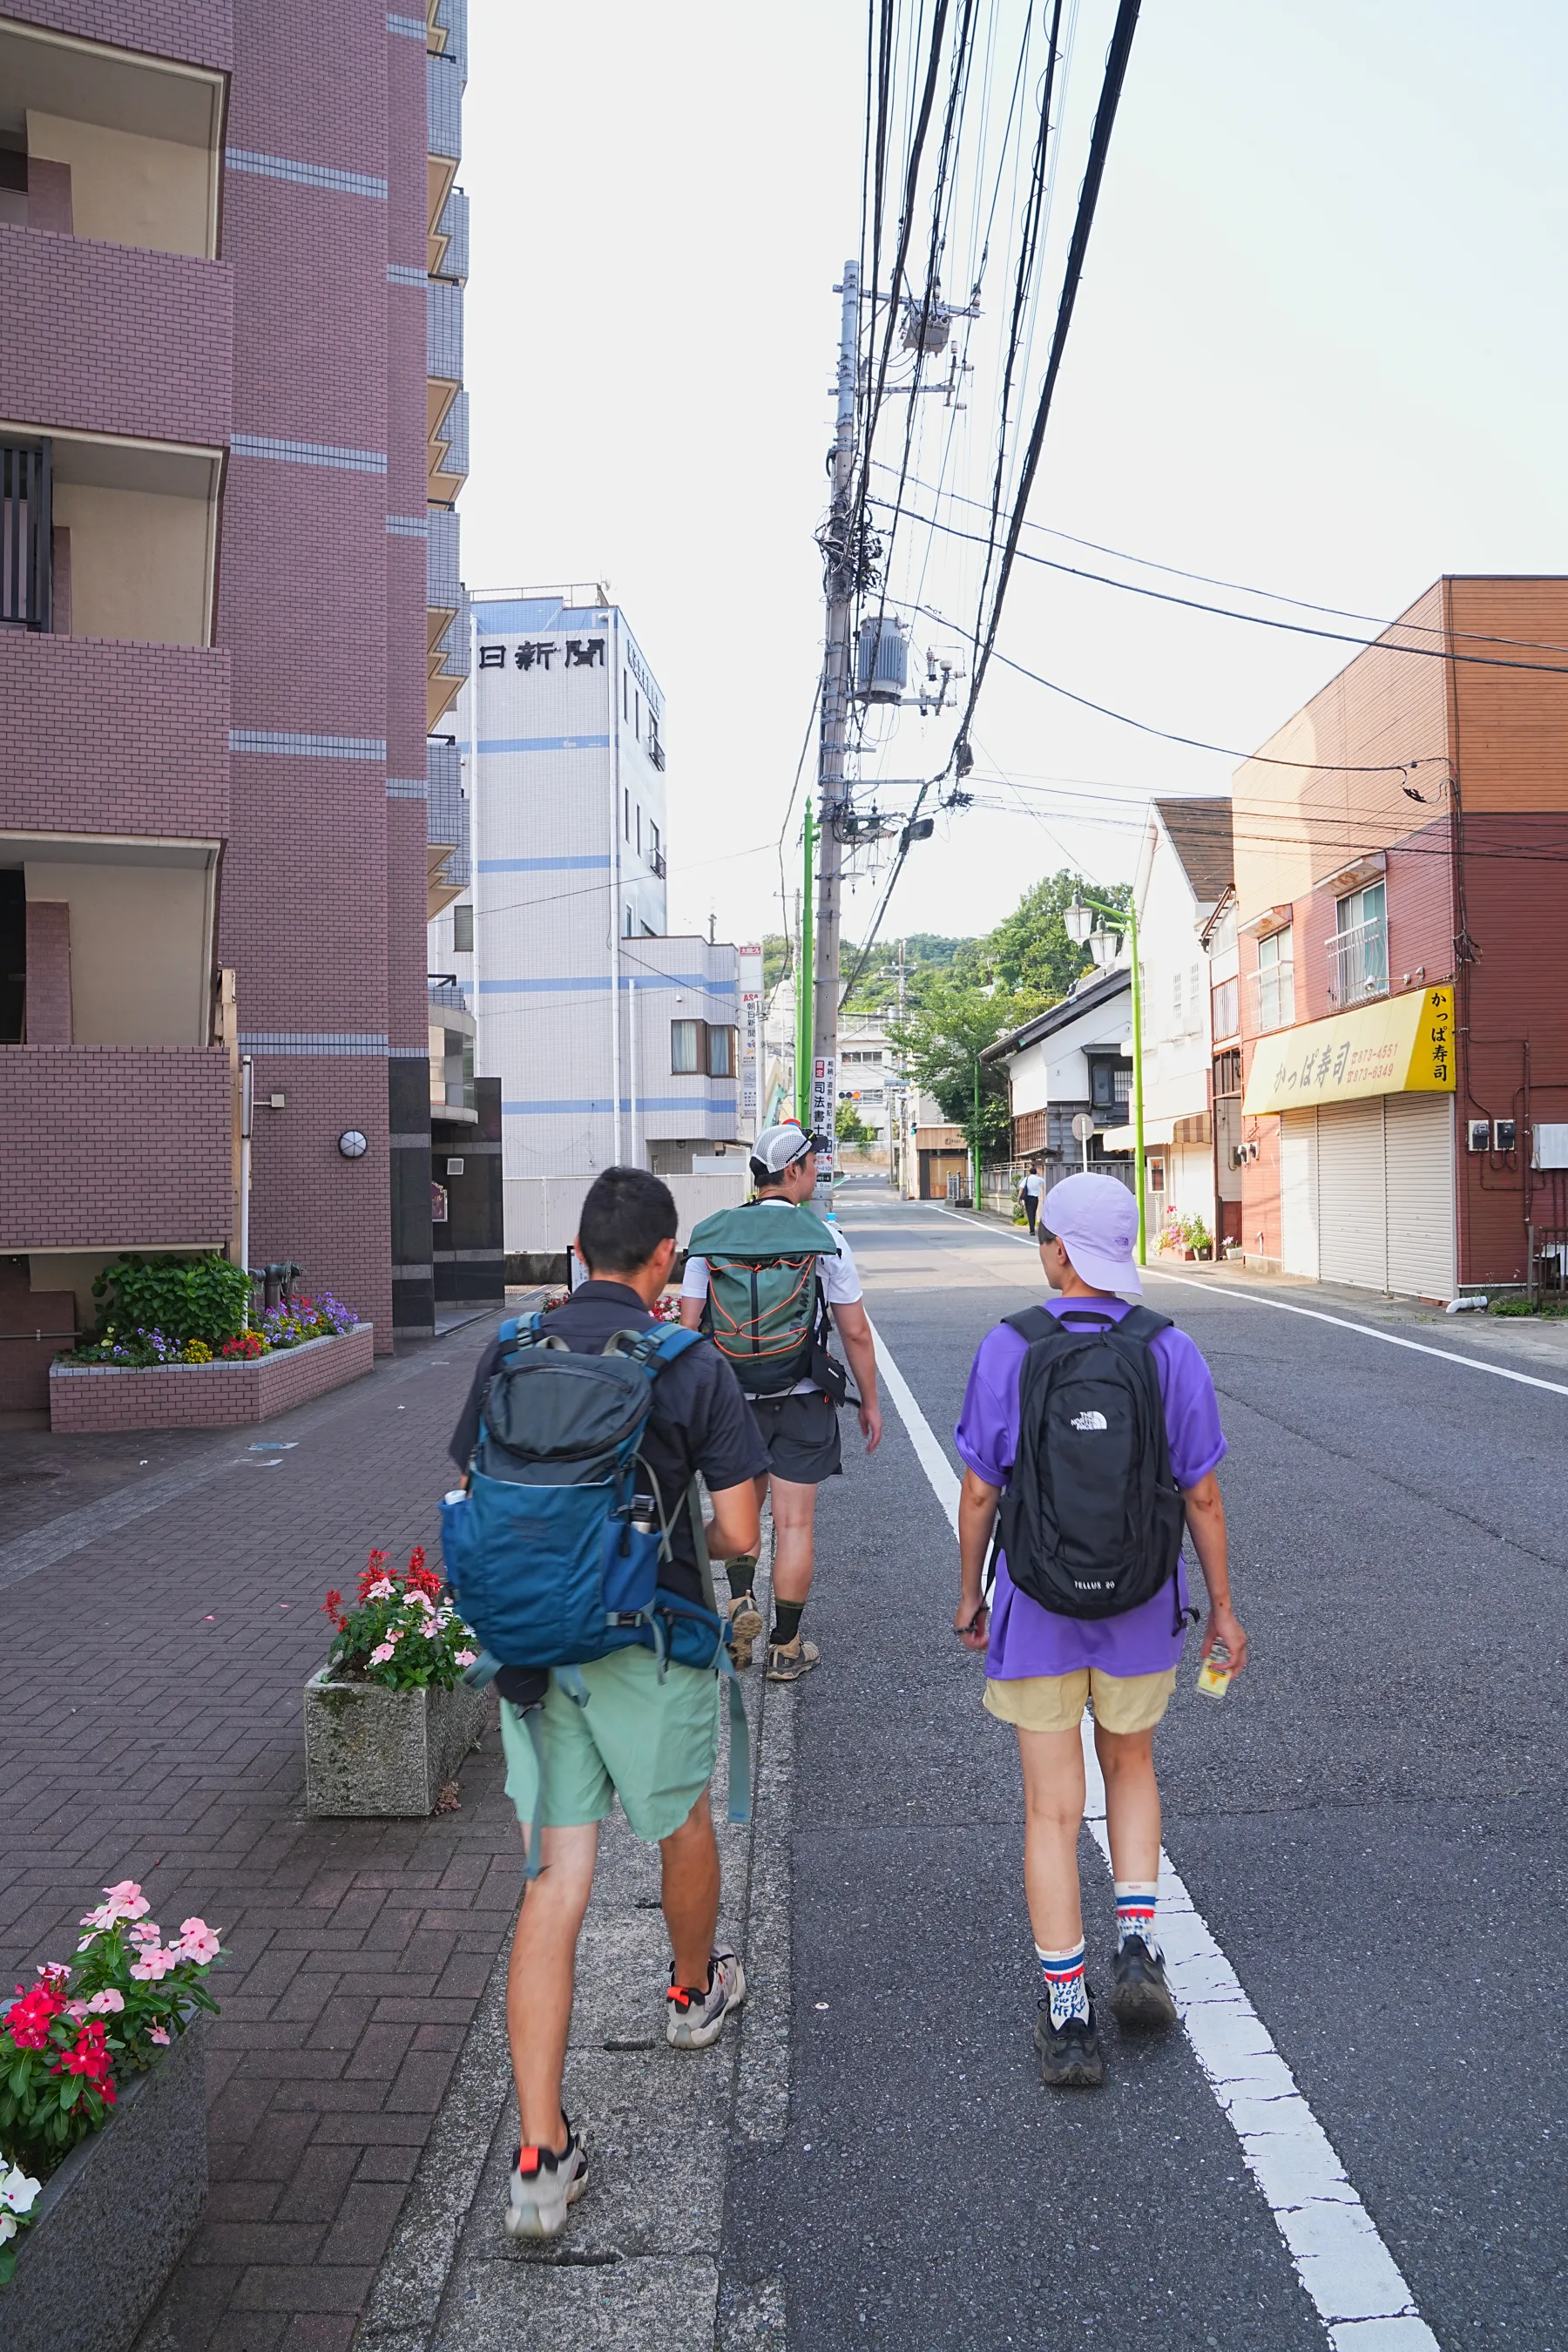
column 764, row 1310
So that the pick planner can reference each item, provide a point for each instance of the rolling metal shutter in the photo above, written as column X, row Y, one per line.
column 1352, row 1204
column 1419, row 1190
column 1298, row 1192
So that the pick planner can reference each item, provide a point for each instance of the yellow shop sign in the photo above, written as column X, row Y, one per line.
column 1402, row 1046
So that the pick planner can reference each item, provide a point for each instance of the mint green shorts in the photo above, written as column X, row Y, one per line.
column 651, row 1744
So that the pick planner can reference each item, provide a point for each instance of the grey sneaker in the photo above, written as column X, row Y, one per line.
column 694, row 2016
column 1069, row 2054
column 745, row 1625
column 1140, row 1999
column 542, row 2186
column 787, row 1661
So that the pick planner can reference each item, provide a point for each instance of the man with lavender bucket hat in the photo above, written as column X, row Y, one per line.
column 1092, row 1424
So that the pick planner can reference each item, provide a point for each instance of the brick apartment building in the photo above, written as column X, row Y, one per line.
column 231, row 434
column 1401, row 880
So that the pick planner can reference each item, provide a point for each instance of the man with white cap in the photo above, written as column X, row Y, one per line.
column 1092, row 1424
column 777, row 1348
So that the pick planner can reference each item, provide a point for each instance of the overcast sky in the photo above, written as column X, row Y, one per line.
column 1320, row 347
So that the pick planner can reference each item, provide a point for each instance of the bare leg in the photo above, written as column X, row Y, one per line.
column 691, row 1892
column 1131, row 1801
column 794, row 1515
column 1053, row 1813
column 539, row 1983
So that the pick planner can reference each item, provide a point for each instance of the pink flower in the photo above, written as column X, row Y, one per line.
column 197, row 1941
column 379, row 1654
column 148, row 1932
column 53, row 1974
column 155, row 1962
column 107, row 2003
column 76, row 2008
column 159, row 2036
column 466, row 1657
column 381, row 1590
column 127, row 1901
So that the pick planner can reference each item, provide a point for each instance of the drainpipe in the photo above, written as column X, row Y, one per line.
column 247, row 1106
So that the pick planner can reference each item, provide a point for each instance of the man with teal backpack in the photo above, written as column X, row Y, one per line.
column 768, row 1282
column 577, row 1551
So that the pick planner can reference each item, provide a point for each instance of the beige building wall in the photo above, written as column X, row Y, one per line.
column 139, row 949
column 128, row 189
column 139, row 562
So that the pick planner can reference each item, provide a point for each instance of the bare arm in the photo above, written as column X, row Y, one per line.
column 691, row 1313
column 1206, row 1525
column 736, row 1523
column 852, row 1328
column 977, row 1505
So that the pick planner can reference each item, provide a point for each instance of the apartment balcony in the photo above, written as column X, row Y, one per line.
column 111, row 1148
column 1358, row 963
column 444, row 330
column 448, row 31
column 448, row 453
column 452, row 235
column 1271, row 998
column 447, row 828
column 108, row 339
column 110, row 738
column 443, row 579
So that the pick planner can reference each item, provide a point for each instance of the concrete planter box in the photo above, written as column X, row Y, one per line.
column 115, row 2219
column 371, row 1750
column 87, row 1398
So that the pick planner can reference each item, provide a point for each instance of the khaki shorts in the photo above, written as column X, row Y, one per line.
column 1056, row 1702
column 650, row 1743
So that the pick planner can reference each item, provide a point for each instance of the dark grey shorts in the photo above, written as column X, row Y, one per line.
column 801, row 1433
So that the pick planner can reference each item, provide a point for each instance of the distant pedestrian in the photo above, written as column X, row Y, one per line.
column 1092, row 1423
column 630, row 1724
column 1030, row 1193
column 770, row 1281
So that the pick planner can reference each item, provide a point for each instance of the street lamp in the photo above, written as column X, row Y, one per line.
column 1080, row 929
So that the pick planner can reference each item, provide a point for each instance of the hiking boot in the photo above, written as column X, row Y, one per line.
column 694, row 2014
column 541, row 2188
column 1141, row 1999
column 1069, row 2053
column 787, row 1661
column 745, row 1625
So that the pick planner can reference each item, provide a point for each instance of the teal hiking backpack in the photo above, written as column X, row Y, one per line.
column 554, row 1549
column 764, row 1310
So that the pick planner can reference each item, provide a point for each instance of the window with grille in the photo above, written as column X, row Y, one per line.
column 26, row 520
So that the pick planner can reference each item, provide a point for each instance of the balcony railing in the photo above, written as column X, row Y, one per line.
column 656, row 752
column 657, row 863
column 1272, row 991
column 1358, row 963
column 26, row 539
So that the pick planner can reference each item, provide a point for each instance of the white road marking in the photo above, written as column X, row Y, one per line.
column 1353, row 2281
column 1313, row 1314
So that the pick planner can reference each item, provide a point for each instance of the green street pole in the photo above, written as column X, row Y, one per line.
column 974, row 1144
column 804, row 1004
column 1126, row 918
column 1137, row 1086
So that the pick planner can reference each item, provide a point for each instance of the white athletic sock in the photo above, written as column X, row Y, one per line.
column 1065, row 1983
column 1135, row 1900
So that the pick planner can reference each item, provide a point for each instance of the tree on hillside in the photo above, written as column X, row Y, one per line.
column 1030, row 949
column 941, row 1040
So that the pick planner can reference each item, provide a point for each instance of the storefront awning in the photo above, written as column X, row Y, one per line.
column 1403, row 1046
column 1157, row 1133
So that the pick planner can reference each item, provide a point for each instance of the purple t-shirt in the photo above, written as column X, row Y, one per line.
column 1026, row 1639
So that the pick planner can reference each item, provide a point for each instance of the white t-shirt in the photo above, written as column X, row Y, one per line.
column 840, row 1280
column 1033, row 1184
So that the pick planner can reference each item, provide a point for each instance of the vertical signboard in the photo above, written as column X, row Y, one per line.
column 824, row 1108
column 749, row 977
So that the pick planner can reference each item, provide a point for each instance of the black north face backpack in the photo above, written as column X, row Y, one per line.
column 1091, row 1521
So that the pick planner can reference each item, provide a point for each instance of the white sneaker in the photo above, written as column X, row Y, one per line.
column 693, row 2019
column 542, row 2186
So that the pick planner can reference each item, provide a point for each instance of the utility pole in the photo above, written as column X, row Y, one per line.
column 841, row 566
column 802, row 983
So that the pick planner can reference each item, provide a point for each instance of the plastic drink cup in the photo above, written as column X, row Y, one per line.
column 1214, row 1674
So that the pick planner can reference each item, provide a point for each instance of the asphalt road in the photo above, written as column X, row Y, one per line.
column 1372, row 1825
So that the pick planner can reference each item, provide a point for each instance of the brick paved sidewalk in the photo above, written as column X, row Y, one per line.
column 151, row 1729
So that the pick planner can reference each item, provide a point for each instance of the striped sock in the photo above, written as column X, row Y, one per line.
column 1135, row 1899
column 1065, row 1983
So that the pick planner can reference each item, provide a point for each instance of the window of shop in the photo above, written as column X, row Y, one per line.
column 1358, row 953
column 1276, row 979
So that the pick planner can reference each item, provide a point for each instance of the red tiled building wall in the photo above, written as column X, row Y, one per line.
column 97, row 737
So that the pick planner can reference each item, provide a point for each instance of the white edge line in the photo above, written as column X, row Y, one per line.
column 1313, row 1314
column 1355, row 2282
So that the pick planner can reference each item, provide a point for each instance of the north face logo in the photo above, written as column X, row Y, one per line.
column 1088, row 1421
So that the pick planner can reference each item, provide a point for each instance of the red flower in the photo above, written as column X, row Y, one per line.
column 331, row 1606
column 28, row 2018
column 423, row 1580
column 90, row 2057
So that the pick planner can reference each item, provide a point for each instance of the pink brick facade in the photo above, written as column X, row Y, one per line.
column 87, row 1401
column 167, row 318
column 297, row 355
column 114, row 1147
column 102, row 738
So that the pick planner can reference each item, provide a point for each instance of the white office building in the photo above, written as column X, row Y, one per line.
column 613, row 1041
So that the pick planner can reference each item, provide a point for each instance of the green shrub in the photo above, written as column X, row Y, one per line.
column 1510, row 1306
column 185, row 1298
